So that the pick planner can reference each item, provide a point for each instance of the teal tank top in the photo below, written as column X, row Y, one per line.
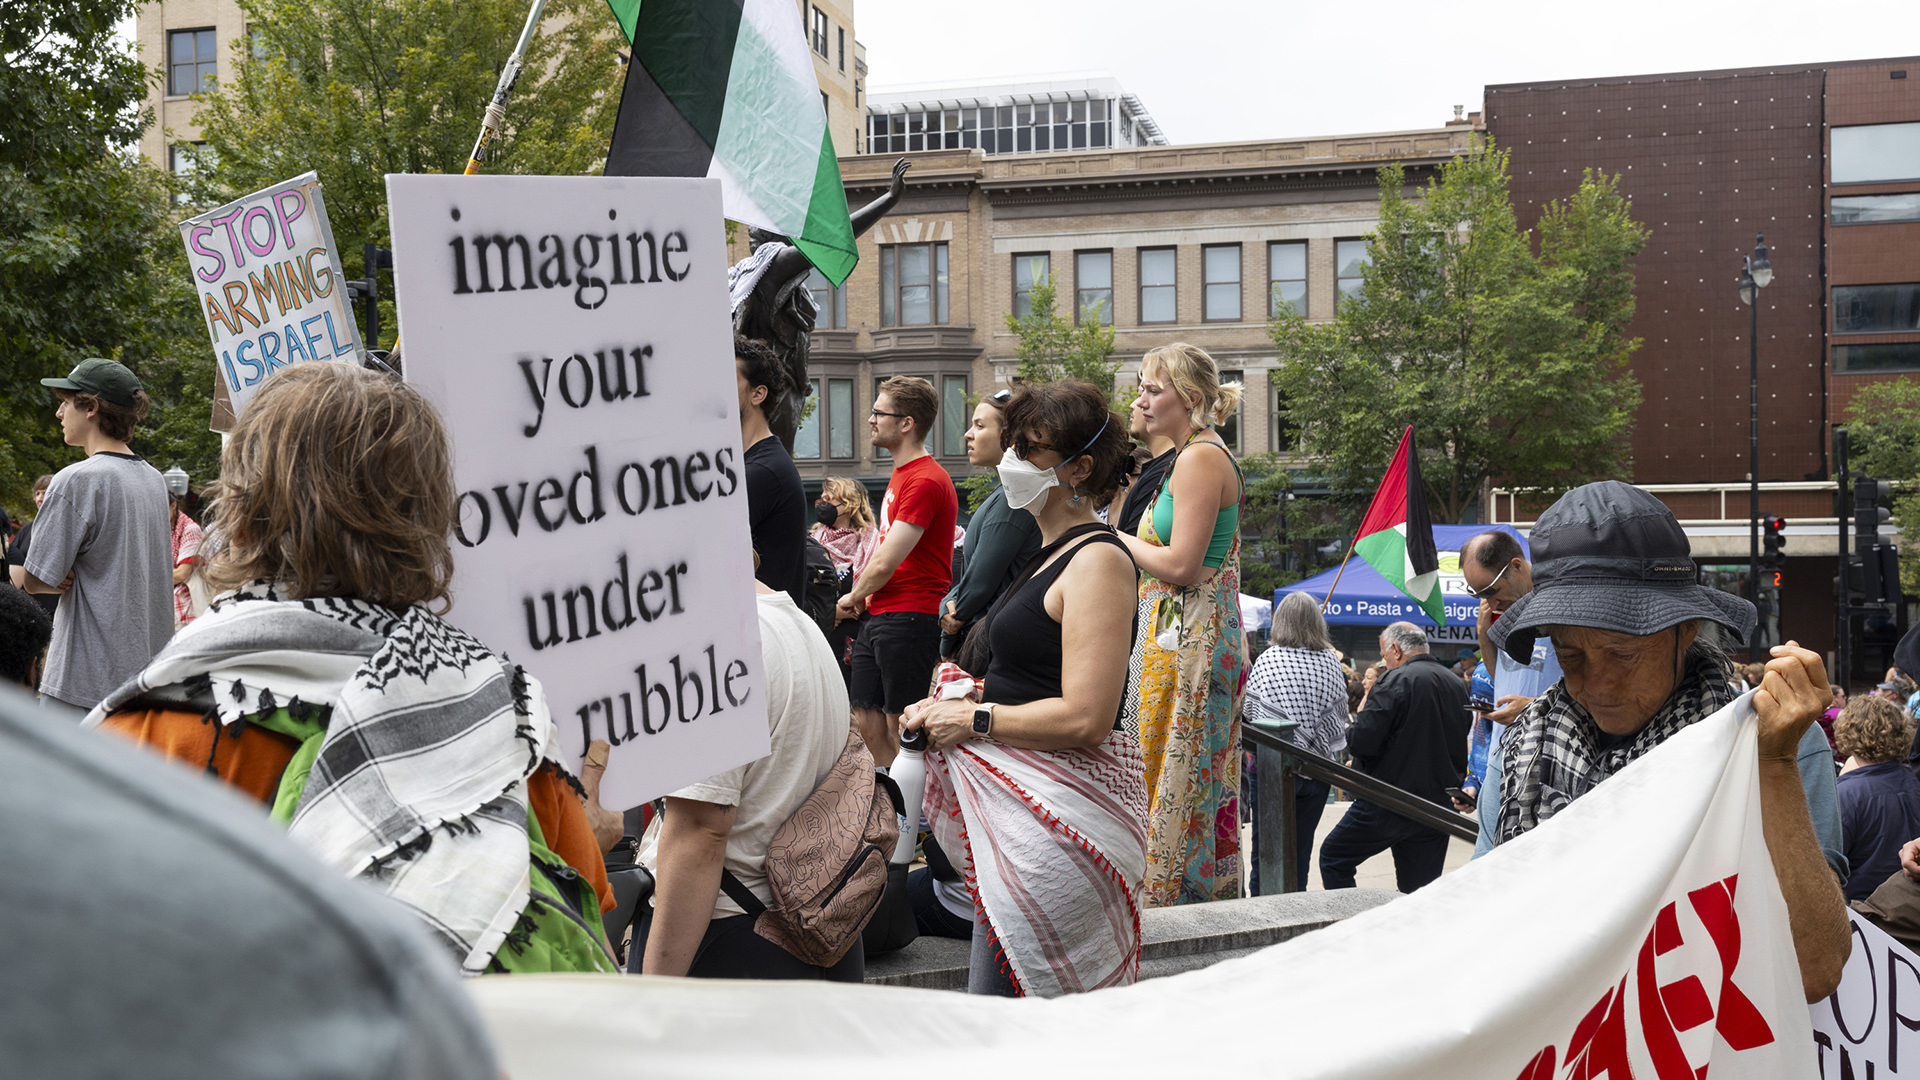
column 1224, row 525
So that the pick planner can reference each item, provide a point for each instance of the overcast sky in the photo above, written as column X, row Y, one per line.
column 1222, row 70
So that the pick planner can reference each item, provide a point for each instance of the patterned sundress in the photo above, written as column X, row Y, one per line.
column 1186, row 716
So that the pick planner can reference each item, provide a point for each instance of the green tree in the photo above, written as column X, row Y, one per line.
column 1280, row 532
column 1883, row 427
column 356, row 89
column 1053, row 346
column 90, row 263
column 1510, row 365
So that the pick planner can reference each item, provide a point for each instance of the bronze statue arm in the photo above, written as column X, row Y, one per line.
column 864, row 218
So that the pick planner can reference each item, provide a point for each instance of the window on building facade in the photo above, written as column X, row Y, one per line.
column 1287, row 277
column 1871, row 153
column 1156, row 285
column 955, row 417
column 820, row 26
column 1887, row 356
column 1220, row 267
column 913, row 284
column 190, row 63
column 1229, row 431
column 840, row 418
column 806, row 435
column 1286, row 436
column 1040, row 127
column 843, row 48
column 1093, row 286
column 1028, row 271
column 1349, row 257
column 183, row 160
column 829, row 303
column 1876, row 309
column 1875, row 209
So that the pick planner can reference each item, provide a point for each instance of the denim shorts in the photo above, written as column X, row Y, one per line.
column 893, row 660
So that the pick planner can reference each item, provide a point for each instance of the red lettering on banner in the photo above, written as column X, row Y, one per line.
column 1598, row 1046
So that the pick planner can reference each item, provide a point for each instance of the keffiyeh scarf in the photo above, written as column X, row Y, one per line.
column 1053, row 845
column 419, row 785
column 1551, row 755
column 1304, row 685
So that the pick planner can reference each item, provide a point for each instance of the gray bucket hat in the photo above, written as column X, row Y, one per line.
column 1612, row 557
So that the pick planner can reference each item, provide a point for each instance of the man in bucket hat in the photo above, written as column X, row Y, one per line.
column 102, row 541
column 1615, row 588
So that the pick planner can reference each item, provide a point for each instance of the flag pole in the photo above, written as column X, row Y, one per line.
column 497, row 108
column 1337, row 576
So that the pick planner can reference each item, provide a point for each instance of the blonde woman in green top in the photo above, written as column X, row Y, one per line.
column 1189, row 667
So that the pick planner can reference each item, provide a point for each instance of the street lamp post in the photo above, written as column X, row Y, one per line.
column 1755, row 275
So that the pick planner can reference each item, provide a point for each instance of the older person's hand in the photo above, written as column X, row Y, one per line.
column 1792, row 695
column 608, row 826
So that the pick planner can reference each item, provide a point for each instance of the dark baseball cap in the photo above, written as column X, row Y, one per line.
column 105, row 379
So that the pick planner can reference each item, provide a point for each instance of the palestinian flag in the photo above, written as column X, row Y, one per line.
column 1396, row 536
column 726, row 89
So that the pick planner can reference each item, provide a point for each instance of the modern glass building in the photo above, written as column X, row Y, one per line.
column 1047, row 114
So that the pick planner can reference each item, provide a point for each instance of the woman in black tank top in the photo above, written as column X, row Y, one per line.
column 1060, row 639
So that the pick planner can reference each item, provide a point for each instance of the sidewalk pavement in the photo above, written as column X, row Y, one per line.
column 1375, row 873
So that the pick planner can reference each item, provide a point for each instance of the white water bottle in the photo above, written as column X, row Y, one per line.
column 909, row 771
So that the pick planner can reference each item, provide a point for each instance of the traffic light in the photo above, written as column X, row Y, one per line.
column 1773, row 544
column 1879, row 558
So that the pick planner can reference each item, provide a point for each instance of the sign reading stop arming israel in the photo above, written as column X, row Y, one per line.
column 270, row 288
column 576, row 336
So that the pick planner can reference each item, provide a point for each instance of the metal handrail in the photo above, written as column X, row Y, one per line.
column 1275, row 826
column 1376, row 791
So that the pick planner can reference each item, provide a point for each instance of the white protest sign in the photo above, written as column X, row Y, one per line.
column 576, row 336
column 271, row 288
column 1864, row 1027
column 1640, row 932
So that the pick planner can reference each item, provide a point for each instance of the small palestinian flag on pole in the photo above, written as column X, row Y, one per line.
column 726, row 89
column 1396, row 536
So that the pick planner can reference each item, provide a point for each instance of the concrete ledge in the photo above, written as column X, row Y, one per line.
column 1175, row 939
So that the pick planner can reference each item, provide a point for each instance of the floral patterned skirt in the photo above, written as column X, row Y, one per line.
column 1186, row 714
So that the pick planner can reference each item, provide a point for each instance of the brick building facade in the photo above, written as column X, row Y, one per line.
column 1177, row 244
column 1709, row 159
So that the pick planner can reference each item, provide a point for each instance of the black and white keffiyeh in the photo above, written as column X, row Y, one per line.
column 1551, row 754
column 1304, row 685
column 420, row 786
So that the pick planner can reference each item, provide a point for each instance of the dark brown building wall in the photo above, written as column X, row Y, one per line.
column 1708, row 159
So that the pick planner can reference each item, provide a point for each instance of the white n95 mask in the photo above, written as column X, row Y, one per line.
column 1025, row 484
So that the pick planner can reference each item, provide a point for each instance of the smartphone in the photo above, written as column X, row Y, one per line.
column 1480, row 704
column 1461, row 795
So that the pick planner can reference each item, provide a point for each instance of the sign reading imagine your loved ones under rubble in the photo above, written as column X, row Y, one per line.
column 574, row 332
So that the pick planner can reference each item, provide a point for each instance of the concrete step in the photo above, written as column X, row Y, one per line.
column 1174, row 939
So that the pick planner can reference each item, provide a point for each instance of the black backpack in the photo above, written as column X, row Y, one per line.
column 822, row 588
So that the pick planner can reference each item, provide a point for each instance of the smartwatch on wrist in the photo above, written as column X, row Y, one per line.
column 983, row 718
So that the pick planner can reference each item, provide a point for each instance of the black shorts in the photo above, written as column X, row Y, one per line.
column 893, row 660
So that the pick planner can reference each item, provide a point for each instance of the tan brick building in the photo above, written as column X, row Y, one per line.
column 1181, row 243
column 192, row 43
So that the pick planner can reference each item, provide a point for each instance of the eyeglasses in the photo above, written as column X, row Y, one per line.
column 1482, row 594
column 1000, row 397
column 896, row 415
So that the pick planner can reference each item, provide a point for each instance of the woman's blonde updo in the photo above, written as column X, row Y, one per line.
column 1196, row 378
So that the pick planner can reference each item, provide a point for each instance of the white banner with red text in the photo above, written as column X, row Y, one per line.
column 1639, row 933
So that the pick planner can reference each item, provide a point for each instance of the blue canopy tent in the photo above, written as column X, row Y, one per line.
column 1365, row 599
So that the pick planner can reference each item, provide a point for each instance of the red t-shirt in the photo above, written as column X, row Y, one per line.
column 920, row 493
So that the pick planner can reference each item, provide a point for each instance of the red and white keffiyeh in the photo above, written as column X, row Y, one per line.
column 1053, row 846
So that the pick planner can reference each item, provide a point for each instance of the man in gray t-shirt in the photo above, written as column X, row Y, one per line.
column 102, row 542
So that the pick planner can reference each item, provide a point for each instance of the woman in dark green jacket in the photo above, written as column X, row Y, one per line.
column 1000, row 540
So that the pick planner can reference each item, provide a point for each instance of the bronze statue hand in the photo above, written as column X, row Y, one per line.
column 899, row 183
column 864, row 218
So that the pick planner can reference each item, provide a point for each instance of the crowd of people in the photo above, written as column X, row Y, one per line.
column 293, row 649
column 1073, row 664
